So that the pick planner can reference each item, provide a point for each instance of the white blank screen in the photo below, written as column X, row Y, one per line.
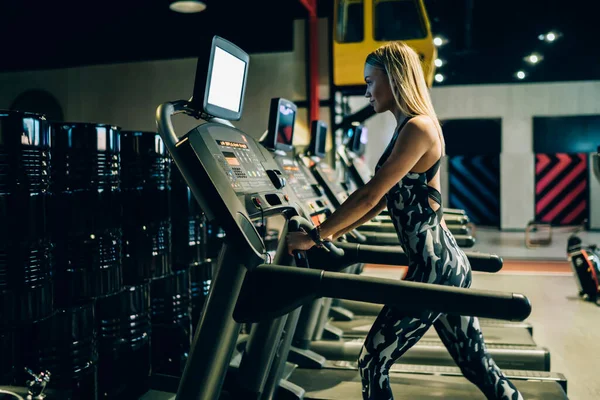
column 226, row 81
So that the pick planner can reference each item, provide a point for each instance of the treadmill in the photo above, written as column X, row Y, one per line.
column 235, row 180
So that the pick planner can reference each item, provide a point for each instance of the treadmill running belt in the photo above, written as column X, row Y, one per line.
column 359, row 327
column 330, row 385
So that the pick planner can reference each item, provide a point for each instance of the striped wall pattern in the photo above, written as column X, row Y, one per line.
column 474, row 185
column 561, row 188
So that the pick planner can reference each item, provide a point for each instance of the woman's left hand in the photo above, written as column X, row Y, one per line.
column 299, row 241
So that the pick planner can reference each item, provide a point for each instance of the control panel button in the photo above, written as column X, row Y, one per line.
column 317, row 190
column 276, row 178
column 257, row 202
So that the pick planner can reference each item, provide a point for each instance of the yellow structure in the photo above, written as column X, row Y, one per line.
column 360, row 26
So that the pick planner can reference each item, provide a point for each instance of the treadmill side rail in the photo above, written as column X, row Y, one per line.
column 271, row 290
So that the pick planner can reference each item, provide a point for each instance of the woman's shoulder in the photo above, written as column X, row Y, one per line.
column 422, row 126
column 422, row 122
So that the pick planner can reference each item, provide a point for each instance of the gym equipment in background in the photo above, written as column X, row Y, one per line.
column 585, row 262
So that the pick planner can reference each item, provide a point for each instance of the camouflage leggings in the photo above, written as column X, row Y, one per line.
column 393, row 334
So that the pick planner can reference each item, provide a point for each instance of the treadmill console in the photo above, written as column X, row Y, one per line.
column 239, row 180
column 359, row 170
column 250, row 170
column 307, row 190
column 350, row 154
column 241, row 165
column 278, row 139
column 327, row 178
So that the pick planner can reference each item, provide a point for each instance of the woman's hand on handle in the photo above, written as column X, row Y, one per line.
column 298, row 241
column 301, row 241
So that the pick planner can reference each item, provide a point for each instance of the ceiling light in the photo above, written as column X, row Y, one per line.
column 439, row 41
column 534, row 58
column 439, row 78
column 438, row 62
column 550, row 36
column 187, row 6
column 520, row 75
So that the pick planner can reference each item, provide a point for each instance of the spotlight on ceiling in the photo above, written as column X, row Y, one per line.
column 439, row 41
column 187, row 6
column 520, row 75
column 439, row 78
column 534, row 58
column 550, row 36
column 438, row 62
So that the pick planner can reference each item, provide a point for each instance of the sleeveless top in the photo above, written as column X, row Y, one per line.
column 408, row 201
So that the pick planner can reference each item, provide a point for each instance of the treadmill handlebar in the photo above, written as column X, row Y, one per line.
column 164, row 124
column 359, row 236
column 393, row 255
column 484, row 262
column 416, row 297
column 297, row 222
column 392, row 238
column 295, row 225
column 273, row 290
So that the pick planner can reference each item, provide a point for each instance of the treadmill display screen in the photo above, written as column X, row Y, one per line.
column 231, row 158
column 285, row 126
column 226, row 81
column 321, row 141
column 360, row 139
column 232, row 144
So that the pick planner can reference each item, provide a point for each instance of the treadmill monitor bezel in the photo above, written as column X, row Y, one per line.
column 273, row 137
column 204, row 81
column 318, row 138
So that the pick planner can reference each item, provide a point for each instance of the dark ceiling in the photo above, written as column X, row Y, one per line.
column 487, row 39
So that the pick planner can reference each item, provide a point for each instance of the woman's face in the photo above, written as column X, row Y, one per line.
column 378, row 91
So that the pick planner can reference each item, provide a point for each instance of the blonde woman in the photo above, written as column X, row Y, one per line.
column 407, row 182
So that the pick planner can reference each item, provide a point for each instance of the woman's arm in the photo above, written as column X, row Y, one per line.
column 415, row 140
column 375, row 211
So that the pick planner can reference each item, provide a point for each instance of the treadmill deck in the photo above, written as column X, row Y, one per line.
column 359, row 327
column 339, row 384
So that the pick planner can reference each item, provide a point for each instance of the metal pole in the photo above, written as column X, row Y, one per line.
column 216, row 334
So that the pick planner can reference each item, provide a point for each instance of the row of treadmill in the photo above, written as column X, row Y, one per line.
column 310, row 312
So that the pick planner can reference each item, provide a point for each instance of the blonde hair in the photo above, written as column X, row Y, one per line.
column 407, row 80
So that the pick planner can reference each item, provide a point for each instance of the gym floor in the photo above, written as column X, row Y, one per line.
column 567, row 326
